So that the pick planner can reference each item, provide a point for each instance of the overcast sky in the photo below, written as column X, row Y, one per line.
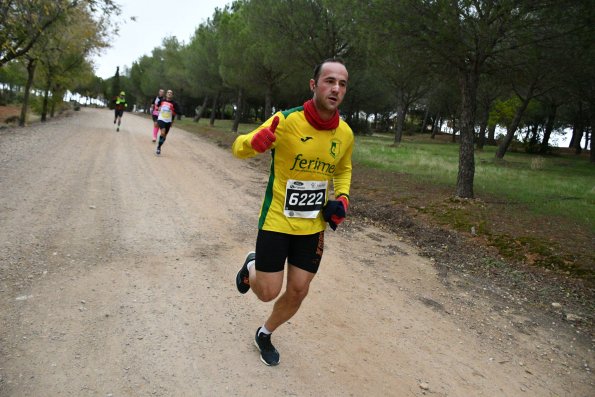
column 155, row 20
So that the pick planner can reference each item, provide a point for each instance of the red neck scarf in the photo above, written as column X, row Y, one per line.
column 314, row 118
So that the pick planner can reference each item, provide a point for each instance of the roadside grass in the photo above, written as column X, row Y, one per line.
column 560, row 185
column 537, row 210
column 220, row 125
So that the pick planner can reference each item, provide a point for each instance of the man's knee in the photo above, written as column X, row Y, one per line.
column 266, row 295
column 265, row 285
column 297, row 293
column 298, row 284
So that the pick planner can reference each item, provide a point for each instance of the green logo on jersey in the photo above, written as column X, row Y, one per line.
column 335, row 148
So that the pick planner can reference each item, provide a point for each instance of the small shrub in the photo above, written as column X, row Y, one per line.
column 36, row 104
column 12, row 119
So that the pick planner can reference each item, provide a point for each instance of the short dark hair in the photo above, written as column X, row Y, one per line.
column 318, row 67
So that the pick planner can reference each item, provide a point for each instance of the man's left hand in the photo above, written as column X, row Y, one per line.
column 334, row 211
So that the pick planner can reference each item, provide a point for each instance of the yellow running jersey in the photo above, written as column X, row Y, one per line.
column 304, row 162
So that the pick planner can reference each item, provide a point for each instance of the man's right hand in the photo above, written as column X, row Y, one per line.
column 263, row 139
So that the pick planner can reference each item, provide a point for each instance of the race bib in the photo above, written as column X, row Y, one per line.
column 304, row 199
column 165, row 113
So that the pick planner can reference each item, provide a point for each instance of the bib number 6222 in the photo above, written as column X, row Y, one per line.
column 304, row 199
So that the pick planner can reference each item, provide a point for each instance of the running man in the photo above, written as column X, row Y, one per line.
column 310, row 147
column 155, row 112
column 167, row 110
column 120, row 106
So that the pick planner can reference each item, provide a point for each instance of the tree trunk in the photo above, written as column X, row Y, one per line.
column 57, row 95
column 592, row 122
column 492, row 134
column 44, row 108
column 483, row 126
column 437, row 126
column 201, row 109
column 514, row 125
column 214, row 109
column 527, row 134
column 468, row 81
column 533, row 138
column 577, row 130
column 574, row 128
column 549, row 127
column 577, row 137
column 423, row 123
column 238, row 115
column 401, row 110
column 454, row 130
column 31, row 64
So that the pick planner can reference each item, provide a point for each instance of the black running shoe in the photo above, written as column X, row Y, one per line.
column 268, row 354
column 158, row 151
column 243, row 276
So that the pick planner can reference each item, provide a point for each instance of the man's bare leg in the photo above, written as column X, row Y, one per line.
column 298, row 284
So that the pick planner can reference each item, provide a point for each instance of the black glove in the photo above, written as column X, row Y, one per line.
column 334, row 211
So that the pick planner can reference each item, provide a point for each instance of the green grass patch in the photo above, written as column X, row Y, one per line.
column 431, row 162
column 220, row 125
column 559, row 185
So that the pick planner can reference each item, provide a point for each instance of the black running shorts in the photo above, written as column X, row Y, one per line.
column 154, row 117
column 164, row 125
column 272, row 249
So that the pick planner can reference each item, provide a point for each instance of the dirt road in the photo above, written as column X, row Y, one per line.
column 117, row 276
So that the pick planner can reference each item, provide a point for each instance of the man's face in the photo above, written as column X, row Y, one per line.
column 331, row 86
column 161, row 92
column 170, row 94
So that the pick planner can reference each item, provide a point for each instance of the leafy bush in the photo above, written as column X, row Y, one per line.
column 35, row 104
